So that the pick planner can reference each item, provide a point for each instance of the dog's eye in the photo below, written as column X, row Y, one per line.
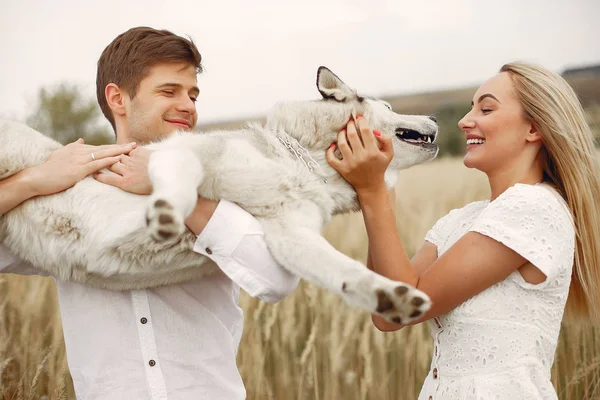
column 389, row 107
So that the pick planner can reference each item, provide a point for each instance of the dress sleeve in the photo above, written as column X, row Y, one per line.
column 534, row 222
column 439, row 233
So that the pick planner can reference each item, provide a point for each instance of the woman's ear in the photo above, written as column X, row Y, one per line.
column 115, row 98
column 534, row 135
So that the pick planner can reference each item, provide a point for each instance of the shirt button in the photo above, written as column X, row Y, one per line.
column 143, row 320
column 152, row 363
column 435, row 373
column 208, row 250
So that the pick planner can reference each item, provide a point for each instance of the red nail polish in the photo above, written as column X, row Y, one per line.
column 358, row 116
column 376, row 132
column 331, row 145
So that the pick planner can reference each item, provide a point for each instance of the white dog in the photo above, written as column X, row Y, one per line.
column 103, row 237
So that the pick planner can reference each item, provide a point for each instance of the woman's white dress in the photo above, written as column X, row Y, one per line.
column 500, row 343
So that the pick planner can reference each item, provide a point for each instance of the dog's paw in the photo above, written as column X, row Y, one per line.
column 401, row 303
column 395, row 301
column 164, row 222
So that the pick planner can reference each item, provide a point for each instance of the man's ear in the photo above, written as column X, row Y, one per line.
column 115, row 97
column 534, row 134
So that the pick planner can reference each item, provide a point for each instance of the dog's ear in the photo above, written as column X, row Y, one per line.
column 332, row 87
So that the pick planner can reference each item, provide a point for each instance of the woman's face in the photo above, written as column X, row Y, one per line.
column 496, row 129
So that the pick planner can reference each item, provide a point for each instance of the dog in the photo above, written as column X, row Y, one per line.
column 103, row 237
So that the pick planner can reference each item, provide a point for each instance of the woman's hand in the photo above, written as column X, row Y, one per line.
column 363, row 162
column 72, row 163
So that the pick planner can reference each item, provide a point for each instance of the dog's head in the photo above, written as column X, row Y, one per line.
column 414, row 135
column 315, row 124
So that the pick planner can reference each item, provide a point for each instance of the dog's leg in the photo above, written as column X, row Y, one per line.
column 175, row 175
column 308, row 255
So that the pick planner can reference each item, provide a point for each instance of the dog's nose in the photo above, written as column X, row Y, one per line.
column 431, row 117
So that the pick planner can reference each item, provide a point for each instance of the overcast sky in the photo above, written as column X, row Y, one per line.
column 257, row 52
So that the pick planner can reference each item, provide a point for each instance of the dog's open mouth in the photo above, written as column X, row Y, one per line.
column 413, row 137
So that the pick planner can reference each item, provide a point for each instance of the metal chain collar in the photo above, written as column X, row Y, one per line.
column 300, row 152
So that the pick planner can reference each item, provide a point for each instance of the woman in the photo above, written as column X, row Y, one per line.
column 498, row 272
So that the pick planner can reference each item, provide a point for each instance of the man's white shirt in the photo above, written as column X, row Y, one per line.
column 172, row 342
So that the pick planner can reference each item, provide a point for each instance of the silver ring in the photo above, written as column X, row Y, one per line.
column 93, row 158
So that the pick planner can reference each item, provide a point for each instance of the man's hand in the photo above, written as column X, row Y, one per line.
column 70, row 164
column 130, row 173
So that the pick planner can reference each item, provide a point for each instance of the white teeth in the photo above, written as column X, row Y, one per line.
column 475, row 141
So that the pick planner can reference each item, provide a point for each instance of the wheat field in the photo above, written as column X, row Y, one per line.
column 310, row 345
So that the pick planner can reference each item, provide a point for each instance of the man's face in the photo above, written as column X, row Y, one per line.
column 165, row 102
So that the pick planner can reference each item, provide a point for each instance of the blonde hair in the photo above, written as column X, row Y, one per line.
column 571, row 166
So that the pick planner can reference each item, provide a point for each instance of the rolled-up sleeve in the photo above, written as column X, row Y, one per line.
column 234, row 240
column 9, row 264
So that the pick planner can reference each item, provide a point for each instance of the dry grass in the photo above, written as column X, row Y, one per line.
column 310, row 345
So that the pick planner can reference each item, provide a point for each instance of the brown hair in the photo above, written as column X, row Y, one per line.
column 129, row 57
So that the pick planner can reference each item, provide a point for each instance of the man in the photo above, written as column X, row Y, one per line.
column 172, row 342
